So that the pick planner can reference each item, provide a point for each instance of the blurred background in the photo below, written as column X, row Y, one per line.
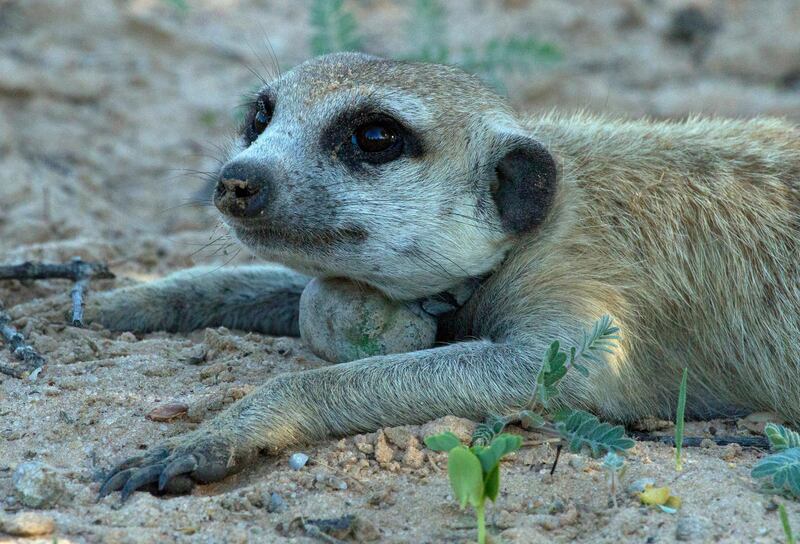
column 112, row 110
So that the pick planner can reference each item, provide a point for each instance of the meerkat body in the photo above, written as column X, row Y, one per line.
column 414, row 179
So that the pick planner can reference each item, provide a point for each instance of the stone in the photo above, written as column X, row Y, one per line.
column 413, row 456
column 341, row 321
column 692, row 529
column 168, row 412
column 462, row 428
column 276, row 504
column 27, row 524
column 37, row 485
column 383, row 452
column 399, row 436
column 298, row 460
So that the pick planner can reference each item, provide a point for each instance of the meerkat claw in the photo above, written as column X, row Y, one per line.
column 140, row 478
column 179, row 466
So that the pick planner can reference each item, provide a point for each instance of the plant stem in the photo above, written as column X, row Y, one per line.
column 679, row 416
column 787, row 529
column 480, row 511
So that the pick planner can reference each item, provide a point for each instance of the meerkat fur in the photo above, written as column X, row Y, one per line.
column 686, row 232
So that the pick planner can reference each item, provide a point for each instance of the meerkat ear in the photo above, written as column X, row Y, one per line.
column 525, row 184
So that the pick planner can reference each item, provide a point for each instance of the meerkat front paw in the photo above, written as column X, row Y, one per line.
column 175, row 465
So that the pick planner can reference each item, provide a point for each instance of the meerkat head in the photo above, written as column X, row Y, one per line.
column 409, row 177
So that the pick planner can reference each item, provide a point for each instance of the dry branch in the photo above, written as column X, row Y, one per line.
column 697, row 441
column 76, row 270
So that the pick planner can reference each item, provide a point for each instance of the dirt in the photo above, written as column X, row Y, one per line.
column 108, row 109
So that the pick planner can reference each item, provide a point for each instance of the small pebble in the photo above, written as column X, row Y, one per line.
column 27, row 524
column 692, row 529
column 37, row 485
column 298, row 460
column 276, row 504
column 168, row 412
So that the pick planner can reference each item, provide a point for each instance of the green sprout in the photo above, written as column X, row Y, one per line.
column 475, row 471
column 614, row 465
column 787, row 529
column 781, row 469
column 679, row 417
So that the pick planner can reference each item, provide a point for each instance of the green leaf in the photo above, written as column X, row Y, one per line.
column 501, row 445
column 603, row 339
column 613, row 462
column 466, row 476
column 781, row 438
column 553, row 369
column 442, row 442
column 782, row 469
column 530, row 419
column 583, row 431
column 679, row 420
column 491, row 484
column 485, row 432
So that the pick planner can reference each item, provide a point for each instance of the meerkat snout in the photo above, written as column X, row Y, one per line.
column 243, row 190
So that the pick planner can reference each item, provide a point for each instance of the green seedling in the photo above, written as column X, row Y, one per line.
column 614, row 465
column 474, row 472
column 780, row 470
column 787, row 529
column 679, row 417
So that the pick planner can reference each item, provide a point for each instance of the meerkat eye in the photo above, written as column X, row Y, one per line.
column 260, row 120
column 374, row 137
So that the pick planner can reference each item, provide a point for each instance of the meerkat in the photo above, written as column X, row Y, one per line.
column 415, row 179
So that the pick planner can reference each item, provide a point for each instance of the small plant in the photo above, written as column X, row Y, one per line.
column 614, row 465
column 581, row 431
column 475, row 472
column 334, row 28
column 787, row 529
column 781, row 469
column 679, row 417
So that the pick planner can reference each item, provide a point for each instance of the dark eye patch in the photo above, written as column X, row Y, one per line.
column 368, row 136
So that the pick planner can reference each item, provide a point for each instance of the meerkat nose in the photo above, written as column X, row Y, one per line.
column 242, row 190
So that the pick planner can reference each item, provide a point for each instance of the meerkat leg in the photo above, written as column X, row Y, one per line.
column 262, row 298
column 469, row 379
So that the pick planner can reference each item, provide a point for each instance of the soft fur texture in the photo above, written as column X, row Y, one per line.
column 686, row 233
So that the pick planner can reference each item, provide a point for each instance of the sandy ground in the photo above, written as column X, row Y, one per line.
column 105, row 104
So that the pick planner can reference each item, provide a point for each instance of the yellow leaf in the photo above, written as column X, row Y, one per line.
column 654, row 495
column 673, row 502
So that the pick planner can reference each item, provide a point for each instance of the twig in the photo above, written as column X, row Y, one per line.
column 697, row 441
column 77, row 301
column 32, row 362
column 555, row 461
column 76, row 270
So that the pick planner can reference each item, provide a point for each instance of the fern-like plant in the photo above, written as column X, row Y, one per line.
column 586, row 434
column 781, row 470
column 334, row 28
column 580, row 431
